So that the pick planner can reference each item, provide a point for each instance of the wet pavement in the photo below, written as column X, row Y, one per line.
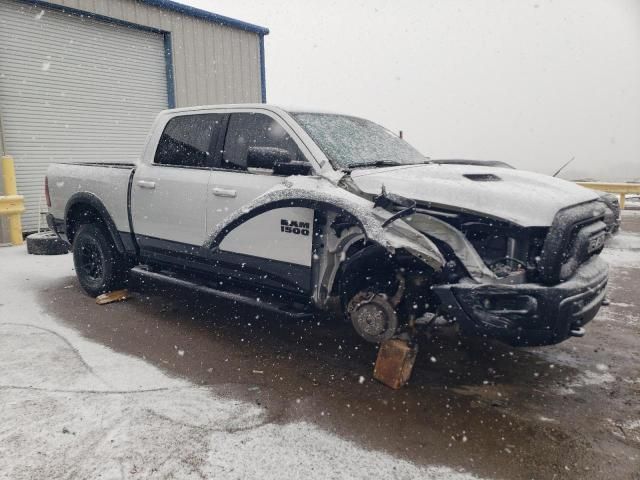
column 566, row 411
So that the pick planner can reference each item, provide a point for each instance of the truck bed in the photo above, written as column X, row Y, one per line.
column 108, row 182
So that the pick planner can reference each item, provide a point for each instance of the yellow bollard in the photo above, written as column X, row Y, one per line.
column 11, row 203
column 622, row 197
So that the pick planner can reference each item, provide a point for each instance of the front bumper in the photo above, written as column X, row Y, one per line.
column 530, row 313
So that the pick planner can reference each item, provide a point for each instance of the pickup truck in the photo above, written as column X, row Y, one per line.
column 300, row 211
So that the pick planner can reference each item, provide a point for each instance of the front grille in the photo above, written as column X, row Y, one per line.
column 577, row 233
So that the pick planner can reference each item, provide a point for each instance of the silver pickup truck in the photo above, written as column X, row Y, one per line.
column 298, row 211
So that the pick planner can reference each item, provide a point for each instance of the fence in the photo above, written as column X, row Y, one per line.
column 621, row 189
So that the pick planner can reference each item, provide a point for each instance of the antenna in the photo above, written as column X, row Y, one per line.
column 562, row 167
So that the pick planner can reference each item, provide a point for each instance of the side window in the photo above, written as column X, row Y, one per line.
column 254, row 130
column 189, row 140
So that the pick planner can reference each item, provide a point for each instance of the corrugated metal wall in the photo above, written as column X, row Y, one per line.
column 212, row 63
column 74, row 89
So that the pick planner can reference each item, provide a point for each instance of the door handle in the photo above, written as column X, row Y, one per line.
column 224, row 192
column 146, row 184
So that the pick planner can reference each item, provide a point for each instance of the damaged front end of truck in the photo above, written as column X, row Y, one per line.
column 391, row 262
column 543, row 284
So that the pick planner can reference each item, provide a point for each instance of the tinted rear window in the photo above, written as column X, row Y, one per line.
column 188, row 141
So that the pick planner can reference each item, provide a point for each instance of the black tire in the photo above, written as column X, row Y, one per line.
column 99, row 266
column 46, row 243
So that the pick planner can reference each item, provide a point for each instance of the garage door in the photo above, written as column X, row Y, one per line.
column 74, row 89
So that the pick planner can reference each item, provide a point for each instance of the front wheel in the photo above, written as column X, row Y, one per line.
column 99, row 266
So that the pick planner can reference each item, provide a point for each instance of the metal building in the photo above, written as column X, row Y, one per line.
column 81, row 80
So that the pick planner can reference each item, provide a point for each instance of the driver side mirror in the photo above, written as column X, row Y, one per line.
column 266, row 157
column 277, row 159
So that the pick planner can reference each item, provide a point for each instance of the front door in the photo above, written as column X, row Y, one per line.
column 262, row 249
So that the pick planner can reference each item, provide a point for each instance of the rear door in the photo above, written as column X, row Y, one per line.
column 266, row 246
column 169, row 193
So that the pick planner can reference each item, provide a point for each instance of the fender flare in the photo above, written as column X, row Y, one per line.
column 86, row 198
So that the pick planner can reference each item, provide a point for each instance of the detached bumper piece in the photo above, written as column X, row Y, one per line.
column 528, row 314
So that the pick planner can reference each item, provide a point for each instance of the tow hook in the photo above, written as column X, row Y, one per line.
column 577, row 332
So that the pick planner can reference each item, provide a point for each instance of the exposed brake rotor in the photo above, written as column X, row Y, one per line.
column 373, row 316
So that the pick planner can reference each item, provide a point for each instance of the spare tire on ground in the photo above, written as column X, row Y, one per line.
column 46, row 243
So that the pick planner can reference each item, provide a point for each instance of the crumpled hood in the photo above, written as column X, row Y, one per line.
column 525, row 198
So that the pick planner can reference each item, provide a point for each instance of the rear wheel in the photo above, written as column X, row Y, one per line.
column 99, row 266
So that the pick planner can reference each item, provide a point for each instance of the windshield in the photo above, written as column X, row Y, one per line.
column 351, row 142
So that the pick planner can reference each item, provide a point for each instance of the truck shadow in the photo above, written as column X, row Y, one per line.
column 468, row 400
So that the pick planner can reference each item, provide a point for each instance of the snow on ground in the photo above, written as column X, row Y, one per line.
column 623, row 240
column 72, row 408
column 621, row 258
column 627, row 430
column 585, row 379
column 624, row 315
column 623, row 249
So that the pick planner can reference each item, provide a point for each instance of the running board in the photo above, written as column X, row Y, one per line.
column 281, row 309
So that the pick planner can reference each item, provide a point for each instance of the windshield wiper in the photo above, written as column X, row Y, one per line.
column 377, row 163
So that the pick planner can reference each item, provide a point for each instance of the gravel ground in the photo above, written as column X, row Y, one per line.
column 174, row 385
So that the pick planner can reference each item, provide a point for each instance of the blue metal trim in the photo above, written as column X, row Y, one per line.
column 205, row 15
column 263, row 79
column 168, row 60
column 165, row 4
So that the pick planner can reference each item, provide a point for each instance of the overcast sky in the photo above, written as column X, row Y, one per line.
column 532, row 83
